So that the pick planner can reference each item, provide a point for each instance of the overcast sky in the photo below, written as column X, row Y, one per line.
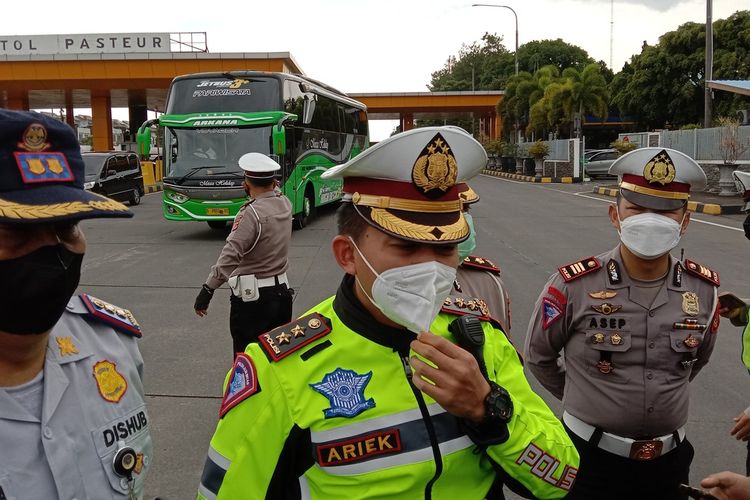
column 371, row 45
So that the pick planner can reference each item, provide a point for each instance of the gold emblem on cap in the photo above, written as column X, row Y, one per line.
column 690, row 303
column 34, row 138
column 659, row 169
column 435, row 171
column 66, row 346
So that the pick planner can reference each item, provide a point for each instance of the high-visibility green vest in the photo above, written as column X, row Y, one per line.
column 345, row 422
column 746, row 341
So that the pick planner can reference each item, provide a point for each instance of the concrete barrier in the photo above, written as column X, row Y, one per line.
column 152, row 176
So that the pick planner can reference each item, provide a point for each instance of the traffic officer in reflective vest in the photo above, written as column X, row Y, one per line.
column 478, row 276
column 636, row 325
column 254, row 259
column 368, row 394
column 73, row 421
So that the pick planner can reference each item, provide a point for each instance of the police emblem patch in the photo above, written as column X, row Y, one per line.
column 551, row 312
column 435, row 170
column 34, row 138
column 111, row 384
column 345, row 390
column 242, row 384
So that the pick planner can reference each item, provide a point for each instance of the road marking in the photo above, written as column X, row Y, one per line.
column 583, row 195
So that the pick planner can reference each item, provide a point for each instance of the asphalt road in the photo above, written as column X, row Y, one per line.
column 155, row 268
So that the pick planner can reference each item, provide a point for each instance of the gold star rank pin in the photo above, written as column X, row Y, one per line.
column 298, row 331
column 66, row 346
column 283, row 338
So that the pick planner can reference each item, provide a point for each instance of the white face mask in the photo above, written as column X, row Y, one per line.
column 410, row 295
column 650, row 235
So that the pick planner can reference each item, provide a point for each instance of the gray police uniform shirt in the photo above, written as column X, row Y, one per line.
column 487, row 286
column 93, row 403
column 257, row 245
column 627, row 362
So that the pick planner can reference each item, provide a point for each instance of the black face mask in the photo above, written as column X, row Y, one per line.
column 35, row 288
column 746, row 225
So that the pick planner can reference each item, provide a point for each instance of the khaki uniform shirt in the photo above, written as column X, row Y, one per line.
column 259, row 244
column 627, row 363
column 485, row 285
column 93, row 403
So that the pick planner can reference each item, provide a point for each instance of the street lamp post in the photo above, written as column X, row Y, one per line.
column 514, row 15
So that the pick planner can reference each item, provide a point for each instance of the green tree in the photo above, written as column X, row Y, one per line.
column 488, row 61
column 537, row 54
column 664, row 84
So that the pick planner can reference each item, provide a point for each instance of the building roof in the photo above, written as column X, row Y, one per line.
column 736, row 86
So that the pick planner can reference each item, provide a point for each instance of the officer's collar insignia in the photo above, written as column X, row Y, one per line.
column 702, row 272
column 34, row 138
column 677, row 275
column 465, row 305
column 603, row 294
column 551, row 312
column 117, row 317
column 690, row 303
column 66, row 346
column 345, row 390
column 243, row 383
column 659, row 169
column 613, row 271
column 606, row 308
column 435, row 171
column 111, row 384
column 579, row 268
column 284, row 340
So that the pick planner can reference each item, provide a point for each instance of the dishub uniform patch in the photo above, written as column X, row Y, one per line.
column 111, row 384
column 242, row 385
column 345, row 390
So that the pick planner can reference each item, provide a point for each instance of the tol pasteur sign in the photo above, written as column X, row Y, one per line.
column 102, row 43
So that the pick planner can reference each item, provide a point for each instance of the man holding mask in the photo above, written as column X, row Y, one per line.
column 73, row 421
column 636, row 326
column 368, row 394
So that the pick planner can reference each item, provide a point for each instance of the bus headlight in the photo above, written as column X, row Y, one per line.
column 177, row 197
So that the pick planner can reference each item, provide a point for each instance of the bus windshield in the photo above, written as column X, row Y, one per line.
column 217, row 94
column 221, row 148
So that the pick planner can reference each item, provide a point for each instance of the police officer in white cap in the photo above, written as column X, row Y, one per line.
column 254, row 259
column 636, row 325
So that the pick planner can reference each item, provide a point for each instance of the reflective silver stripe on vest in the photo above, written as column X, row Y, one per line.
column 385, row 442
column 214, row 470
column 373, row 424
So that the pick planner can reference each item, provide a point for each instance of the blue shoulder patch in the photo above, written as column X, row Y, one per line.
column 116, row 317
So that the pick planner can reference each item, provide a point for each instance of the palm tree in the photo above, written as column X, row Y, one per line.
column 584, row 92
column 523, row 92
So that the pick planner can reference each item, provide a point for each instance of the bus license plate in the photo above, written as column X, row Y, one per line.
column 217, row 211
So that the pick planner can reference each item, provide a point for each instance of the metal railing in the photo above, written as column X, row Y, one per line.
column 188, row 41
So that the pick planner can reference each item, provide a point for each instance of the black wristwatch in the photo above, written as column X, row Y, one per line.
column 498, row 405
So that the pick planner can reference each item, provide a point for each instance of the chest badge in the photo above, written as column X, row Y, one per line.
column 345, row 390
column 690, row 303
column 603, row 294
column 606, row 308
column 111, row 384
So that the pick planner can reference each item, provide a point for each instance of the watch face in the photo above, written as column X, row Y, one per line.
column 499, row 404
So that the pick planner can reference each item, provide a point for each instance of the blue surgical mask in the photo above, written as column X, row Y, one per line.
column 467, row 247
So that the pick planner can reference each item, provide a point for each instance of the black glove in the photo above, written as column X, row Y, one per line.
column 203, row 298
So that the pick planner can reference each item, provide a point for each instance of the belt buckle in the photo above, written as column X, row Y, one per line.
column 646, row 450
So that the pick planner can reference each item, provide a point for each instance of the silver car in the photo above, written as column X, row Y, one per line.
column 597, row 163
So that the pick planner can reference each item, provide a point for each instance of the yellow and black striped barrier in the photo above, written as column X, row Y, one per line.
column 528, row 178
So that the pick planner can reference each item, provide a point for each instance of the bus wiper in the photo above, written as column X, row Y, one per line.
column 193, row 172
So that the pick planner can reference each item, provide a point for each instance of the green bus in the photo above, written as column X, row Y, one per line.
column 211, row 119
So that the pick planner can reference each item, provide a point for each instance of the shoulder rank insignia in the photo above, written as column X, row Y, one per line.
column 284, row 340
column 465, row 305
column 243, row 383
column 580, row 268
column 702, row 272
column 117, row 317
column 474, row 262
column 345, row 390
